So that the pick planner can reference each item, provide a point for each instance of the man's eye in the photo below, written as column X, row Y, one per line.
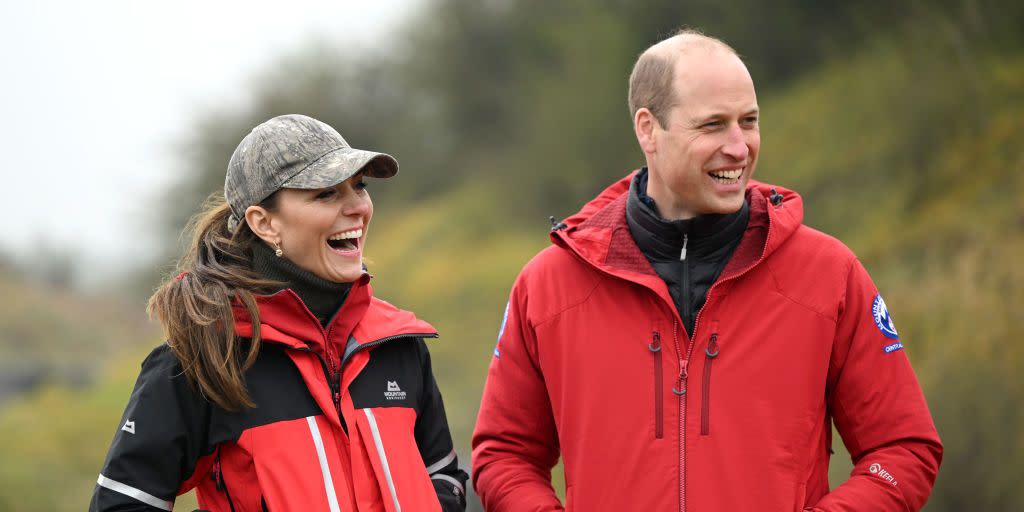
column 711, row 124
column 750, row 120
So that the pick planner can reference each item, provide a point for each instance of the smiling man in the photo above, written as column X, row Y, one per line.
column 687, row 343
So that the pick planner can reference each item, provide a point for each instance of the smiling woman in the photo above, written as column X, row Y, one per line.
column 284, row 384
column 321, row 230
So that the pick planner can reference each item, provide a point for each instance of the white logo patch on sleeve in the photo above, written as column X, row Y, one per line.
column 129, row 426
column 877, row 470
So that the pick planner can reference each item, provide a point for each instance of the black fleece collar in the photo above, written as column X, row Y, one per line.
column 663, row 239
column 323, row 298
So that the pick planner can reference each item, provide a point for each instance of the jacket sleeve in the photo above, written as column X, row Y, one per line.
column 515, row 443
column 878, row 408
column 435, row 443
column 158, row 442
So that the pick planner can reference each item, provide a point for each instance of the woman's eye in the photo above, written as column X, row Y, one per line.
column 326, row 194
column 361, row 185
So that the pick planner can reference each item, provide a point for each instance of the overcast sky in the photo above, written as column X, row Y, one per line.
column 95, row 95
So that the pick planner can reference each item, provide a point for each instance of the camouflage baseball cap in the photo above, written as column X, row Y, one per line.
column 294, row 151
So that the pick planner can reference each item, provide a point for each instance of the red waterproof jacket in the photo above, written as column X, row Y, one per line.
column 346, row 419
column 593, row 364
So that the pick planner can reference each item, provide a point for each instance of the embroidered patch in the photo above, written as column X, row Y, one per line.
column 884, row 322
column 894, row 347
column 504, row 320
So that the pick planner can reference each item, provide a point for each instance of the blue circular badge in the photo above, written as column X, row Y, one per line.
column 882, row 318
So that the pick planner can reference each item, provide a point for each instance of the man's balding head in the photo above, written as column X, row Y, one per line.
column 651, row 82
column 695, row 116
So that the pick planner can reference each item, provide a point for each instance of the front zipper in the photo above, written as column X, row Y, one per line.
column 685, row 285
column 680, row 391
column 333, row 380
column 659, row 417
column 710, row 353
column 218, row 480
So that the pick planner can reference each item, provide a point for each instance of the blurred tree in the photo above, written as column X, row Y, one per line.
column 532, row 93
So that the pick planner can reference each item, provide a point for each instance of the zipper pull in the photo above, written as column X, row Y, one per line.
column 655, row 345
column 680, row 388
column 682, row 362
column 682, row 254
column 335, row 384
column 712, row 350
column 216, row 475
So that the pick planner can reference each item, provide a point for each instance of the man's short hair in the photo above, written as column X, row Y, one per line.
column 650, row 83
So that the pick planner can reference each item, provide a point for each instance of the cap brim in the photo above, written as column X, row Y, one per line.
column 340, row 165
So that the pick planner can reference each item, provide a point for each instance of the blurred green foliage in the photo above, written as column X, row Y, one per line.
column 899, row 124
column 52, row 334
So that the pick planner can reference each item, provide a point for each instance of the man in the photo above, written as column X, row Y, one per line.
column 686, row 343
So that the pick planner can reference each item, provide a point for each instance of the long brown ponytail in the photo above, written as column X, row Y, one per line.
column 194, row 305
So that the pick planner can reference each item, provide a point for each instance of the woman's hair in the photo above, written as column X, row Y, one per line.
column 194, row 305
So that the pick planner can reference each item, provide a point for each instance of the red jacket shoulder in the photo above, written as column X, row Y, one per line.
column 812, row 269
column 553, row 281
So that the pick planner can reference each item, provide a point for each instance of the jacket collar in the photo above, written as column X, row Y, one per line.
column 600, row 235
column 663, row 240
column 284, row 319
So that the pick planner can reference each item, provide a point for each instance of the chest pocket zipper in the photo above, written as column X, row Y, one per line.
column 712, row 351
column 659, row 414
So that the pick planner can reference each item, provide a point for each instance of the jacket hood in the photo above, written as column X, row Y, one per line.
column 285, row 319
column 598, row 233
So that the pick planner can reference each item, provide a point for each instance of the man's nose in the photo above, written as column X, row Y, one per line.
column 735, row 145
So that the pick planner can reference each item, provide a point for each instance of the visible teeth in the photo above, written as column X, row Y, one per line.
column 727, row 175
column 355, row 233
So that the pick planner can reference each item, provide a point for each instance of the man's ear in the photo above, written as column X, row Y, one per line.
column 644, row 124
column 260, row 222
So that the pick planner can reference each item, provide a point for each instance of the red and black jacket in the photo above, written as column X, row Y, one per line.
column 347, row 418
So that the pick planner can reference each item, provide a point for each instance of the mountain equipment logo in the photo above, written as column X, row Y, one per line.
column 883, row 320
column 129, row 426
column 394, row 392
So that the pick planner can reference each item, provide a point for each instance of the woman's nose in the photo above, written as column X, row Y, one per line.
column 356, row 204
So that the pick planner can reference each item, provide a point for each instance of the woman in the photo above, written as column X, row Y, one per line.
column 317, row 396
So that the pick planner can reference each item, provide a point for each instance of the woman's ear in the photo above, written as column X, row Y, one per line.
column 260, row 222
